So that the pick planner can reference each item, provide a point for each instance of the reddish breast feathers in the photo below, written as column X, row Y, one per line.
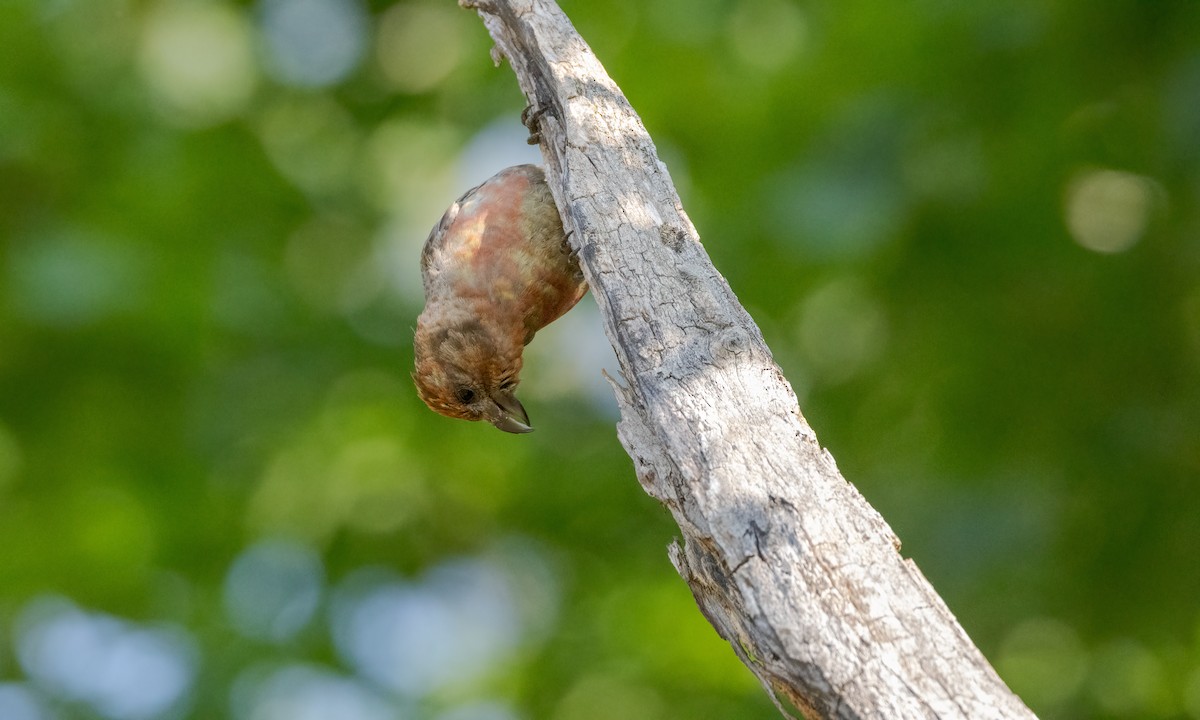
column 497, row 268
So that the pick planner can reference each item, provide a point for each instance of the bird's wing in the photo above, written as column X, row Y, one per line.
column 437, row 236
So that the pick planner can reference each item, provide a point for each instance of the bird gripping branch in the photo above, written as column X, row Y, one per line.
column 496, row 269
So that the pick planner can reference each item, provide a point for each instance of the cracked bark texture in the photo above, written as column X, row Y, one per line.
column 784, row 557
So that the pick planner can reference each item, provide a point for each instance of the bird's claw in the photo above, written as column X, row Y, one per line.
column 487, row 6
column 530, row 119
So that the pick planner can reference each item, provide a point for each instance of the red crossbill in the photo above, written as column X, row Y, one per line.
column 497, row 268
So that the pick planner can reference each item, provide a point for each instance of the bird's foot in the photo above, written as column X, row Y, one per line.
column 530, row 119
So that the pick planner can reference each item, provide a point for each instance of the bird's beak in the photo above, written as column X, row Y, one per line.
column 511, row 416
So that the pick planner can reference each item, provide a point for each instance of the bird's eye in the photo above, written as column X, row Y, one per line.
column 465, row 395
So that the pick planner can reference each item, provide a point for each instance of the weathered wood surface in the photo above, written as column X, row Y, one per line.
column 785, row 558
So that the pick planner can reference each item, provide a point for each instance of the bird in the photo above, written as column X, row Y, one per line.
column 496, row 269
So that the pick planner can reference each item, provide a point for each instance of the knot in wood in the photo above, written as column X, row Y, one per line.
column 729, row 344
column 672, row 236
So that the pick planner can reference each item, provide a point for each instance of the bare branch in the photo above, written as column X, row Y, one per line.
column 785, row 558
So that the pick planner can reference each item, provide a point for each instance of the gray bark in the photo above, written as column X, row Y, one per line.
column 784, row 557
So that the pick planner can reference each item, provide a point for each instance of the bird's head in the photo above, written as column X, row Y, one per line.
column 463, row 371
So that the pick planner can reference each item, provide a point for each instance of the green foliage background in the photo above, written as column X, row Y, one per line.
column 970, row 232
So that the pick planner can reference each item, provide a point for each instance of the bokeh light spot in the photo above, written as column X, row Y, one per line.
column 1043, row 661
column 570, row 358
column 72, row 277
column 113, row 528
column 368, row 470
column 947, row 168
column 497, row 145
column 313, row 142
column 301, row 493
column 313, row 43
column 1127, row 681
column 461, row 621
column 120, row 669
column 408, row 166
column 664, row 608
column 329, row 262
column 420, row 43
column 307, row 692
column 603, row 697
column 842, row 329
column 1107, row 210
column 417, row 639
column 832, row 210
column 198, row 60
column 480, row 711
column 767, row 34
column 273, row 589
column 246, row 296
column 18, row 702
column 685, row 21
column 348, row 468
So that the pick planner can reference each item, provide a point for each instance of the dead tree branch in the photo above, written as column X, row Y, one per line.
column 785, row 558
